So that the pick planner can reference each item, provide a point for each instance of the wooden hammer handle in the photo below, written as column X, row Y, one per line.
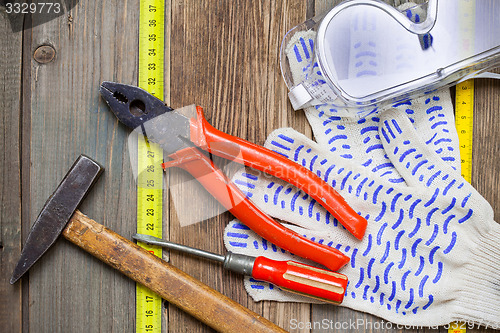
column 175, row 286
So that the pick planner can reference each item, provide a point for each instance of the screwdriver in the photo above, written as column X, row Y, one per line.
column 289, row 275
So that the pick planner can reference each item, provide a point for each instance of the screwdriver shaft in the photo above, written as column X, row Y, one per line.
column 288, row 275
column 178, row 247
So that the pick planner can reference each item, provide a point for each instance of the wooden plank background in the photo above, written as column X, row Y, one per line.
column 222, row 55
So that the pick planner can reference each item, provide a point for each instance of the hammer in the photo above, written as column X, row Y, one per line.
column 60, row 215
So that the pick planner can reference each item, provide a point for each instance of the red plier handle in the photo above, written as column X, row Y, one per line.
column 206, row 136
column 216, row 182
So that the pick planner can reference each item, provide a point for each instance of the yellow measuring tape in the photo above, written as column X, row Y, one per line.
column 150, row 156
column 464, row 116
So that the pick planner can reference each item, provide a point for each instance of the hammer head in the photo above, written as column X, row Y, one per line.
column 57, row 212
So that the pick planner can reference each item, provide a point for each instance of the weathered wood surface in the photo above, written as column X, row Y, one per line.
column 10, row 174
column 222, row 55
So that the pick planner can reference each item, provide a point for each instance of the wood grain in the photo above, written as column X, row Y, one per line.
column 485, row 152
column 220, row 54
column 10, row 174
column 93, row 42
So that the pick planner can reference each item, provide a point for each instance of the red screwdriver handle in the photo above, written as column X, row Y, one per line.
column 216, row 142
column 302, row 279
column 220, row 187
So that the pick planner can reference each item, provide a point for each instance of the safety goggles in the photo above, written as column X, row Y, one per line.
column 366, row 54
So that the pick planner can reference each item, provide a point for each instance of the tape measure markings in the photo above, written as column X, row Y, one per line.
column 150, row 157
column 464, row 117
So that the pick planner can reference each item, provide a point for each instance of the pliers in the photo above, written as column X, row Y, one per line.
column 182, row 137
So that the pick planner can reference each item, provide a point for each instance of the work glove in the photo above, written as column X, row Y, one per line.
column 429, row 253
column 431, row 249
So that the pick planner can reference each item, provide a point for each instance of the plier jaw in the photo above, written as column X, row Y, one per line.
column 132, row 105
column 143, row 112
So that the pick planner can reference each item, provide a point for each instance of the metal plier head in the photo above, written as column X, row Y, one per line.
column 139, row 110
column 132, row 105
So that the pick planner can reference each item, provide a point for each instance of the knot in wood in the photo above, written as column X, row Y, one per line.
column 44, row 54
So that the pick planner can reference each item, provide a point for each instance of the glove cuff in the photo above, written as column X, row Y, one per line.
column 479, row 299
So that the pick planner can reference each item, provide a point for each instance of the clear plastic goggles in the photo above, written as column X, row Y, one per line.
column 366, row 54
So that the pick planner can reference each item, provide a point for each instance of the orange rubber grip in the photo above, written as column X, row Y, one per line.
column 230, row 196
column 219, row 143
column 302, row 279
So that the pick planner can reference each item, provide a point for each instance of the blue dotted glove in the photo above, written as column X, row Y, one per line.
column 431, row 250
